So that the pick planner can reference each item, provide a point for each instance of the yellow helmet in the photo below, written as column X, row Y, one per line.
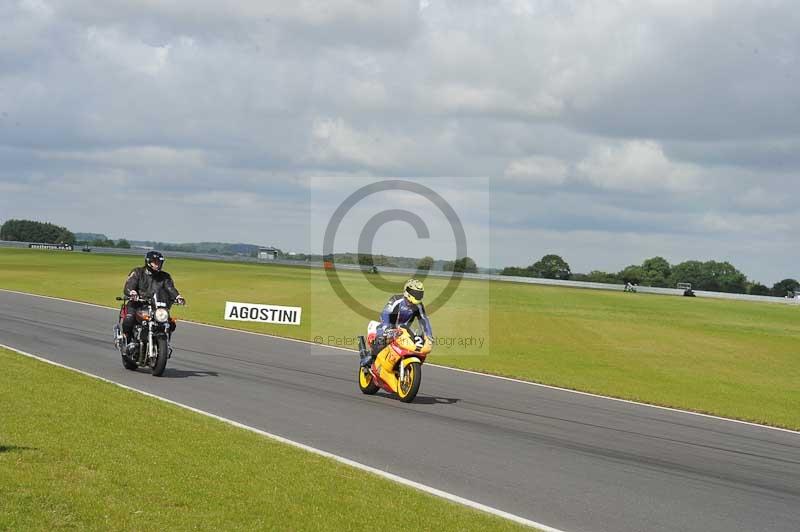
column 414, row 291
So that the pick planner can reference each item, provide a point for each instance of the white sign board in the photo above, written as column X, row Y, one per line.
column 262, row 313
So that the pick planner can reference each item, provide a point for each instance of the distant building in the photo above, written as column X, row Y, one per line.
column 269, row 253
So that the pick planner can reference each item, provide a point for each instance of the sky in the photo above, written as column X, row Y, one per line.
column 605, row 131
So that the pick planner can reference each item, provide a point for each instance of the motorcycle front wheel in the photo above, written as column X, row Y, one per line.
column 162, row 353
column 408, row 387
column 365, row 382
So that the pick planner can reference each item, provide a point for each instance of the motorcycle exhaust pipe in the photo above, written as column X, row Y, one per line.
column 362, row 346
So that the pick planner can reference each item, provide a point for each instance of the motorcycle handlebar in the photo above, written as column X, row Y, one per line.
column 142, row 299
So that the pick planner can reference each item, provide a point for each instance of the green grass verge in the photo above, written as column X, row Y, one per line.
column 734, row 359
column 80, row 454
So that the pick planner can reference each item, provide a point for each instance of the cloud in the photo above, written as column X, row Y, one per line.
column 343, row 22
column 336, row 141
column 136, row 156
column 677, row 119
column 537, row 170
column 639, row 165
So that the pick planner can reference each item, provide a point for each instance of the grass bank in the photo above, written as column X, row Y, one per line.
column 80, row 454
column 730, row 358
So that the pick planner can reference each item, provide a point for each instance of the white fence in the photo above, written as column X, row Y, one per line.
column 406, row 271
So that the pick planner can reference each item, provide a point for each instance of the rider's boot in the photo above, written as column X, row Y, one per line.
column 368, row 357
column 130, row 349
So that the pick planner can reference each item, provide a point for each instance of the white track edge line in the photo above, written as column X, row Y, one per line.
column 341, row 459
column 450, row 368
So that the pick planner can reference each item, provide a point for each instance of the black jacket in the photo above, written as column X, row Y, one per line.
column 147, row 283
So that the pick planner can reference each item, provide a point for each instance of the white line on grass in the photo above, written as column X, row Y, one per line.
column 509, row 379
column 341, row 459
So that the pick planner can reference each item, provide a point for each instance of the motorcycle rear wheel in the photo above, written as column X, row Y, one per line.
column 162, row 353
column 365, row 382
column 407, row 388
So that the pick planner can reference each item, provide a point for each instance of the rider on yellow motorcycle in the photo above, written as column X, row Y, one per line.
column 400, row 311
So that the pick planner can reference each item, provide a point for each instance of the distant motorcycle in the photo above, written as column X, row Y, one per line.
column 398, row 367
column 149, row 345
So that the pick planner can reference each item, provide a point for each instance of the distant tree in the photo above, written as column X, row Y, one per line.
column 711, row 275
column 465, row 265
column 724, row 277
column 551, row 267
column 366, row 260
column 382, row 260
column 425, row 263
column 597, row 276
column 124, row 244
column 690, row 271
column 758, row 289
column 345, row 259
column 462, row 265
column 782, row 288
column 32, row 231
column 632, row 274
column 655, row 272
column 517, row 271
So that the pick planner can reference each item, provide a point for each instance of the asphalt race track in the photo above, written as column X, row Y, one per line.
column 570, row 461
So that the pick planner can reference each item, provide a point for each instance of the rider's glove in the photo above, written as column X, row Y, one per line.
column 180, row 301
column 133, row 295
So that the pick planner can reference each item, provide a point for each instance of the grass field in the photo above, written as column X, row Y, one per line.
column 735, row 359
column 80, row 454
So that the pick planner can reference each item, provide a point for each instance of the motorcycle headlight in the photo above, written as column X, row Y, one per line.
column 162, row 315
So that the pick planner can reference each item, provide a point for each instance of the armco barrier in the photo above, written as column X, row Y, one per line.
column 406, row 271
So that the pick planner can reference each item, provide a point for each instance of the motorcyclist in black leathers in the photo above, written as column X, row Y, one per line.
column 144, row 282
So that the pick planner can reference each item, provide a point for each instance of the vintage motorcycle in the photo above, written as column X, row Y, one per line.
column 398, row 367
column 150, row 346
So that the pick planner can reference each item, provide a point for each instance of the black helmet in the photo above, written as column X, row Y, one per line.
column 154, row 258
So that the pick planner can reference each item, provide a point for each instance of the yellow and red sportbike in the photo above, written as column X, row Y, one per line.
column 398, row 367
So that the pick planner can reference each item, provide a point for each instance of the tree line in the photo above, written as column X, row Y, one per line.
column 106, row 243
column 656, row 271
column 462, row 265
column 30, row 231
column 710, row 275
column 47, row 233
